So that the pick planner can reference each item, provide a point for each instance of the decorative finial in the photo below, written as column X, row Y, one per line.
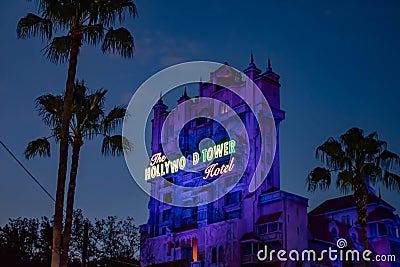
column 252, row 57
column 185, row 93
column 269, row 63
column 160, row 95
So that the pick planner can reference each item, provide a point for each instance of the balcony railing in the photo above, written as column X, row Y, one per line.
column 274, row 236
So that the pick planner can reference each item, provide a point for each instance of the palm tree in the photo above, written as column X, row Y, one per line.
column 358, row 160
column 88, row 121
column 78, row 22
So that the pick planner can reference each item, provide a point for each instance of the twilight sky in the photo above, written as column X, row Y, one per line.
column 339, row 67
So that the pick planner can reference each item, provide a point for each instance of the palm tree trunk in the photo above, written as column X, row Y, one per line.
column 361, row 196
column 76, row 39
column 70, row 201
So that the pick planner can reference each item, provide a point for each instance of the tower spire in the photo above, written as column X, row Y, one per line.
column 269, row 63
column 251, row 57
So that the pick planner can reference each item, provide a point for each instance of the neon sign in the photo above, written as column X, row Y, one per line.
column 160, row 165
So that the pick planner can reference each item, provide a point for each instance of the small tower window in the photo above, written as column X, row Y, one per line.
column 223, row 108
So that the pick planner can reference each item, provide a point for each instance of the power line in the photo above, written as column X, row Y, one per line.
column 49, row 195
column 27, row 171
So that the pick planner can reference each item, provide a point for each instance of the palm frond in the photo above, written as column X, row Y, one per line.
column 372, row 146
column 115, row 145
column 370, row 171
column 391, row 180
column 57, row 51
column 108, row 12
column 114, row 118
column 344, row 181
column 93, row 34
column 32, row 25
column 39, row 147
column 118, row 41
column 319, row 178
column 352, row 140
column 388, row 158
column 332, row 154
column 97, row 99
column 62, row 13
column 50, row 109
column 88, row 110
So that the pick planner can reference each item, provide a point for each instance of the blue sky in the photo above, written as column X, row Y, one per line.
column 338, row 61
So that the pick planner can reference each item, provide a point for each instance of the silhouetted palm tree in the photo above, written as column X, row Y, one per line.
column 357, row 160
column 78, row 22
column 88, row 121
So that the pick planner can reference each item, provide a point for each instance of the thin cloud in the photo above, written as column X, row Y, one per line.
column 164, row 49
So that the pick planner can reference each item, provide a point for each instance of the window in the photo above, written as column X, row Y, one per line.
column 372, row 230
column 390, row 231
column 346, row 219
column 263, row 229
column 246, row 248
column 334, row 232
column 214, row 255
column 220, row 254
column 233, row 198
column 166, row 215
column 382, row 229
column 297, row 212
column 202, row 198
column 234, row 214
column 187, row 213
column 223, row 108
column 202, row 215
column 168, row 198
column 269, row 228
column 272, row 227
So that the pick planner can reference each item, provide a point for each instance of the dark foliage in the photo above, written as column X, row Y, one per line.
column 27, row 242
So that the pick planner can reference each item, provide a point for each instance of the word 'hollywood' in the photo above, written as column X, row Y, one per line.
column 159, row 165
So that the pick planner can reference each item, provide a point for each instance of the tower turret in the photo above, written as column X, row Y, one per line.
column 160, row 114
column 252, row 71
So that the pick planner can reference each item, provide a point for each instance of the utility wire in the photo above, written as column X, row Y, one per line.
column 27, row 171
column 49, row 195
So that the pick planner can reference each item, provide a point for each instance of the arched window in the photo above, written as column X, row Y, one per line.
column 220, row 254
column 334, row 232
column 214, row 255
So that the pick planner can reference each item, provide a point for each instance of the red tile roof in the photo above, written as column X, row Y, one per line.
column 344, row 202
column 250, row 236
column 380, row 213
column 273, row 217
